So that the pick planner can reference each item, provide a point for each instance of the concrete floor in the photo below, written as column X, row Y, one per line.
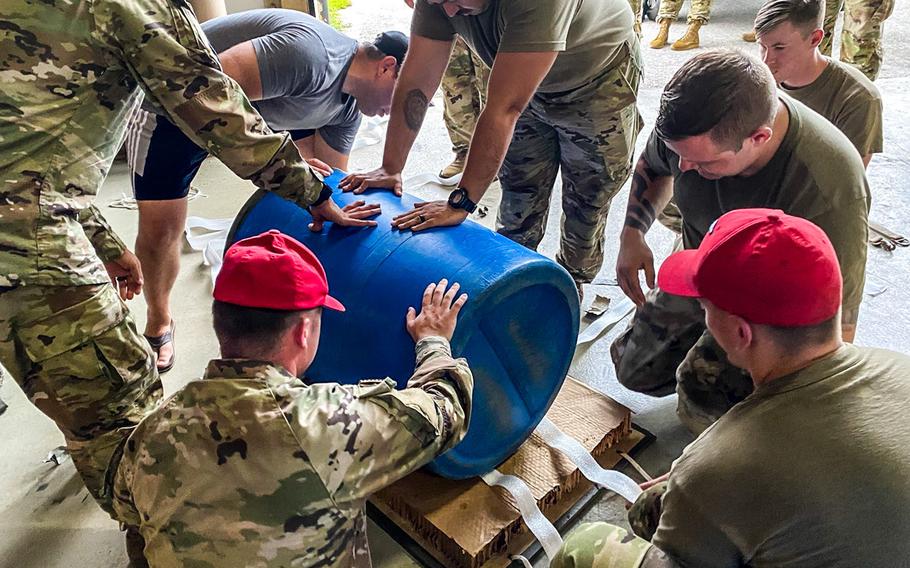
column 47, row 519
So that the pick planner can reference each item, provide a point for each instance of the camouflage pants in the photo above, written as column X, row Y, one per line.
column 464, row 88
column 602, row 545
column 3, row 405
column 699, row 11
column 861, row 40
column 667, row 347
column 636, row 9
column 79, row 358
column 671, row 218
column 644, row 514
column 588, row 135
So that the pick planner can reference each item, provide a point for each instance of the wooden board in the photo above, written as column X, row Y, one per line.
column 468, row 524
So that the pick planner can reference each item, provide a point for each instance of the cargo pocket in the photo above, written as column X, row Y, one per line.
column 85, row 360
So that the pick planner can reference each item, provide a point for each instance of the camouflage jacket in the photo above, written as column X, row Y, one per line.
column 252, row 467
column 70, row 73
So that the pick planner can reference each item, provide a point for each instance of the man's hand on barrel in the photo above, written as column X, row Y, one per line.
column 356, row 214
column 428, row 214
column 439, row 312
column 380, row 177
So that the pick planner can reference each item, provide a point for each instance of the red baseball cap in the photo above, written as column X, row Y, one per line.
column 763, row 265
column 274, row 271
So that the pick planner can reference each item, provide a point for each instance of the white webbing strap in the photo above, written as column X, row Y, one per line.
column 541, row 527
column 208, row 236
column 606, row 478
column 521, row 560
column 618, row 311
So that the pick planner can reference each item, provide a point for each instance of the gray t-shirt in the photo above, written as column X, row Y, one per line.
column 810, row 470
column 302, row 66
column 590, row 35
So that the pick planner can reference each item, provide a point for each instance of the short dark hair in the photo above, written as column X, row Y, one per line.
column 806, row 336
column 723, row 91
column 807, row 15
column 372, row 52
column 250, row 333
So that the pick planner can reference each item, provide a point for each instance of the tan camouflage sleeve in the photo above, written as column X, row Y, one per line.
column 164, row 48
column 602, row 545
column 122, row 498
column 371, row 435
column 106, row 242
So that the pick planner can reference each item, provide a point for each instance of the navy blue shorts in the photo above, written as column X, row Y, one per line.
column 163, row 160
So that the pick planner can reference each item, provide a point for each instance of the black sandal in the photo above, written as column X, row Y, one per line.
column 157, row 342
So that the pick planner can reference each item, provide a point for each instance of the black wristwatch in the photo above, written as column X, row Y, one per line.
column 459, row 199
column 324, row 196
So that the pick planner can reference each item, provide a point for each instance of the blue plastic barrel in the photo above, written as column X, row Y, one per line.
column 517, row 331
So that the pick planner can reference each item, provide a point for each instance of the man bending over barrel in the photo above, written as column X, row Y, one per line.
column 723, row 140
column 560, row 100
column 303, row 77
column 254, row 465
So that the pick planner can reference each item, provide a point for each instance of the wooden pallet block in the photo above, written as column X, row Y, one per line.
column 466, row 523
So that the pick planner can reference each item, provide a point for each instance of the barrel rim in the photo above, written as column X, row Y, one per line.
column 253, row 200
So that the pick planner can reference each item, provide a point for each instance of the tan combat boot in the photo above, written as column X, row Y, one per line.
column 750, row 37
column 455, row 168
column 689, row 40
column 663, row 35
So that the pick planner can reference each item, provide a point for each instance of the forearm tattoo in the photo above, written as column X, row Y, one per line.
column 415, row 108
column 640, row 214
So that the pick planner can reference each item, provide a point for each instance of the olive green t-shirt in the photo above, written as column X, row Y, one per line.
column 847, row 98
column 589, row 34
column 811, row 470
column 816, row 174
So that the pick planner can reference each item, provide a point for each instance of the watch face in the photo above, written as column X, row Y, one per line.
column 457, row 197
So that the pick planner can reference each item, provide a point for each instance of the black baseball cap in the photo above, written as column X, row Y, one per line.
column 392, row 43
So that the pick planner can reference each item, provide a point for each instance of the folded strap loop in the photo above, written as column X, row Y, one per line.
column 572, row 449
column 537, row 523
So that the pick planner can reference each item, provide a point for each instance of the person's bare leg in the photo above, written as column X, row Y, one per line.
column 161, row 225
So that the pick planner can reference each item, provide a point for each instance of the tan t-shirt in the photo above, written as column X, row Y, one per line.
column 847, row 98
column 590, row 34
column 811, row 470
column 815, row 174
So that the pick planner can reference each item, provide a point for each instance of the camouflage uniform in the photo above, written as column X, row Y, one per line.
column 589, row 135
column 644, row 514
column 602, row 545
column 636, row 9
column 72, row 73
column 861, row 40
column 251, row 464
column 667, row 347
column 464, row 88
column 699, row 10
column 78, row 356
